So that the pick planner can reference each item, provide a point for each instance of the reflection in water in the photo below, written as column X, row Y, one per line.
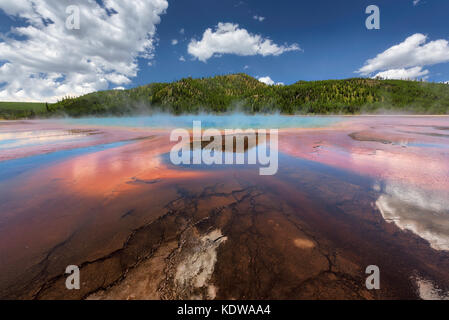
column 141, row 227
column 13, row 140
column 232, row 142
column 424, row 212
column 14, row 168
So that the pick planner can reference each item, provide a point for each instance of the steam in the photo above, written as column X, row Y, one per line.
column 226, row 121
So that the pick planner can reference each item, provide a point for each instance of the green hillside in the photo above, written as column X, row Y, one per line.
column 20, row 110
column 244, row 93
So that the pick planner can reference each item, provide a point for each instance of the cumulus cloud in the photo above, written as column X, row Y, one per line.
column 174, row 42
column 424, row 212
column 267, row 80
column 228, row 38
column 258, row 18
column 44, row 60
column 181, row 58
column 411, row 73
column 405, row 57
column 415, row 2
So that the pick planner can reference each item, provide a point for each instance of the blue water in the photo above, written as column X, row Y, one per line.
column 7, row 141
column 14, row 168
column 231, row 121
column 427, row 145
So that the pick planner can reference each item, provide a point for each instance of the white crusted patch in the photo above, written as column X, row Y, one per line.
column 197, row 267
column 428, row 291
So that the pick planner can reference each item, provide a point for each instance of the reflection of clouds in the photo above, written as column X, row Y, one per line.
column 402, row 165
column 420, row 166
column 29, row 134
column 143, row 163
column 85, row 168
column 428, row 291
column 116, row 165
column 10, row 140
column 424, row 212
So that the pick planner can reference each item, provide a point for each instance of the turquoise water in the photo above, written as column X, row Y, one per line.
column 232, row 121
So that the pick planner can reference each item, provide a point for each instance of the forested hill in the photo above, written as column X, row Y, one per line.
column 244, row 93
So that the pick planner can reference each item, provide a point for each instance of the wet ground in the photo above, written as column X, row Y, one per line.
column 350, row 192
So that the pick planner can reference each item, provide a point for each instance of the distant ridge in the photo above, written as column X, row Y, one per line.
column 244, row 93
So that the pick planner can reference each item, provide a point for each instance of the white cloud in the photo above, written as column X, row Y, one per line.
column 415, row 2
column 267, row 80
column 117, row 78
column 246, row 67
column 411, row 53
column 259, row 18
column 181, row 58
column 174, row 42
column 228, row 38
column 46, row 61
column 405, row 74
column 182, row 31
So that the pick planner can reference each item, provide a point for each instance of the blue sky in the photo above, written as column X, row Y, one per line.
column 333, row 40
column 332, row 34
